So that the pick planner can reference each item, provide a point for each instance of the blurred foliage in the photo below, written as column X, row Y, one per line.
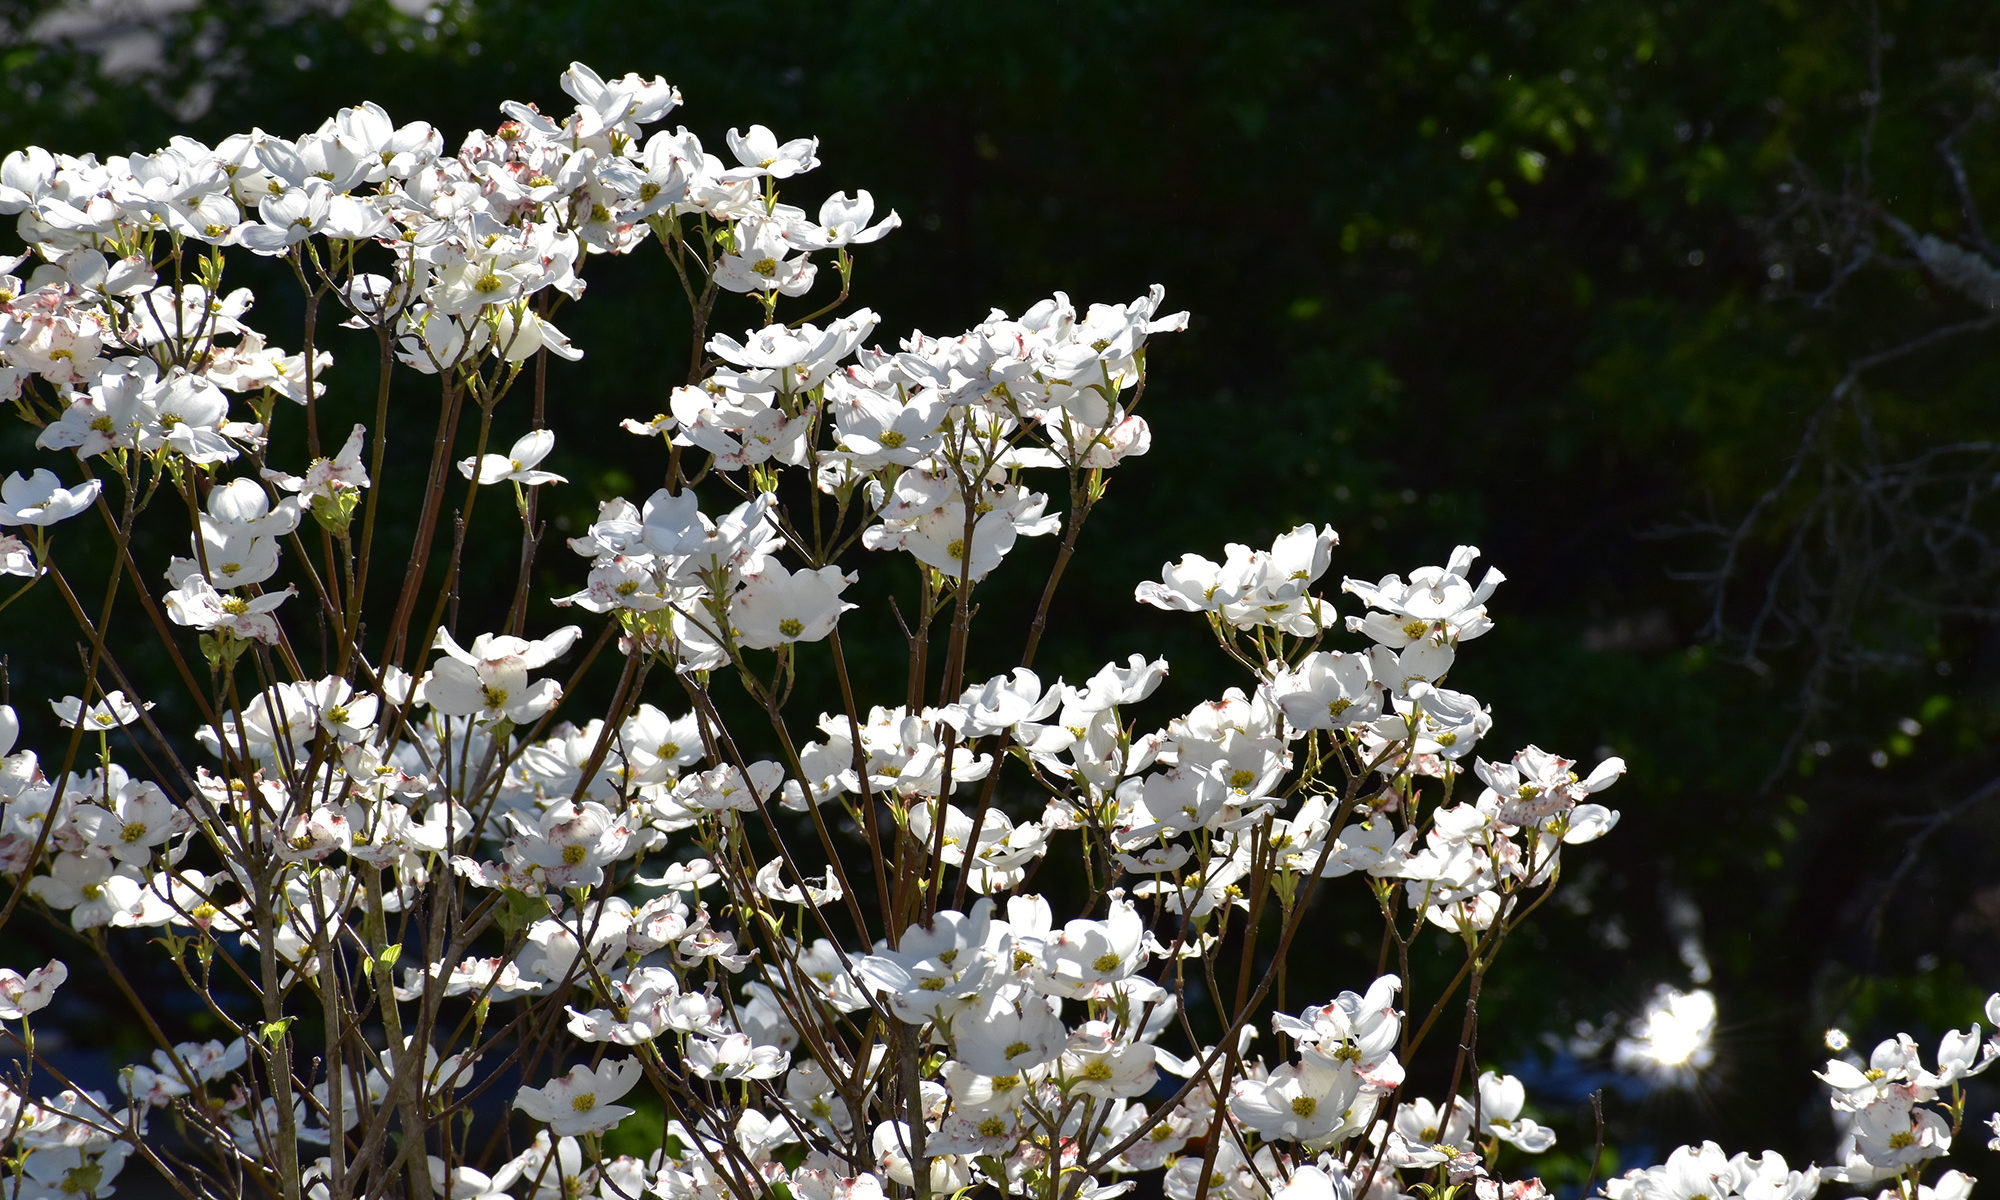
column 1531, row 275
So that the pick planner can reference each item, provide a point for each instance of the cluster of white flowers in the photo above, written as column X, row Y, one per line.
column 1897, row 1114
column 1898, row 1118
column 816, row 962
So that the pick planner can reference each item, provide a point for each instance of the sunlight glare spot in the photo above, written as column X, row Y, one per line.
column 1671, row 1041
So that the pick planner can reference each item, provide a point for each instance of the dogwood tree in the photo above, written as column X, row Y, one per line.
column 460, row 927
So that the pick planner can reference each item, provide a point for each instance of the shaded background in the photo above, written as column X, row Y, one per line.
column 1584, row 284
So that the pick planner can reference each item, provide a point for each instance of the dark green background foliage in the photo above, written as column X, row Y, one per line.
column 1557, row 279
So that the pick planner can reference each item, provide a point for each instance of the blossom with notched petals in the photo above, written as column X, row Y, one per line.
column 41, row 499
column 131, row 821
column 1252, row 588
column 1501, row 1098
column 735, row 1056
column 197, row 604
column 92, row 887
column 490, row 680
column 329, row 477
column 17, row 557
column 517, row 465
column 616, row 103
column 844, row 222
column 22, row 994
column 581, row 1102
column 331, row 486
column 1437, row 602
column 1329, row 690
column 765, row 262
column 933, row 971
column 1006, row 1036
column 112, row 712
column 781, row 606
column 925, row 515
column 761, row 154
column 1308, row 1102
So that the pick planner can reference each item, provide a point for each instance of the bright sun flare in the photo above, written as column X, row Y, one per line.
column 1671, row 1041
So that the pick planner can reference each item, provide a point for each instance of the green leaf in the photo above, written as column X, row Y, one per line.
column 522, row 910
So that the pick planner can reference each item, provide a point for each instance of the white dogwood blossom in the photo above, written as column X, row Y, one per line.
column 582, row 1101
column 112, row 712
column 490, row 680
column 40, row 499
column 517, row 465
column 23, row 994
